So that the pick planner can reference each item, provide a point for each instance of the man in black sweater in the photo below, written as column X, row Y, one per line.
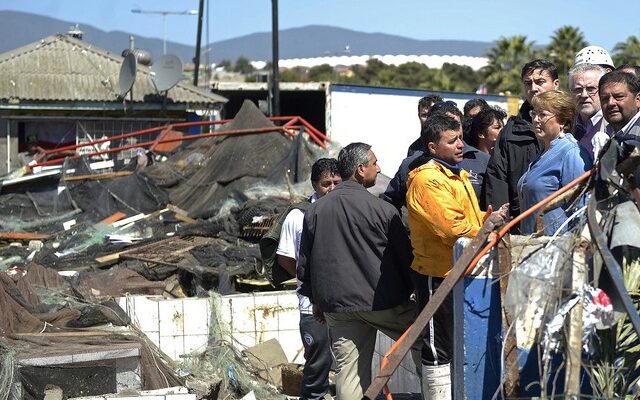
column 517, row 144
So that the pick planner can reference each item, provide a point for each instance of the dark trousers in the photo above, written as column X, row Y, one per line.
column 317, row 355
column 437, row 348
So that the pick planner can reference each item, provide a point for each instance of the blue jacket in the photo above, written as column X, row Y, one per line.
column 562, row 163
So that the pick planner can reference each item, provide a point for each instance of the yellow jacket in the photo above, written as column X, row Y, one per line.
column 442, row 208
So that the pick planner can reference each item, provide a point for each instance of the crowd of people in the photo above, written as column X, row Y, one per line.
column 358, row 264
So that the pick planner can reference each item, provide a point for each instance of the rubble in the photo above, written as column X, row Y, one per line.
column 77, row 246
column 74, row 243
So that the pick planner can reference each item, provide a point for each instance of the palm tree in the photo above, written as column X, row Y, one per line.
column 627, row 52
column 505, row 60
column 565, row 43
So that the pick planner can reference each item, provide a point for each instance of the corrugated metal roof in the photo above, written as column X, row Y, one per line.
column 61, row 68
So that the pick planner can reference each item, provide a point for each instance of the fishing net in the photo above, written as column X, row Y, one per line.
column 222, row 361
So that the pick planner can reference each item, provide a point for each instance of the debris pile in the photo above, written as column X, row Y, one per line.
column 70, row 245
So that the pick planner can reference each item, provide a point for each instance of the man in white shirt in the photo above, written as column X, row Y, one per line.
column 590, row 127
column 325, row 175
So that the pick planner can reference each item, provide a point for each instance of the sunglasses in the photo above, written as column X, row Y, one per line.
column 441, row 104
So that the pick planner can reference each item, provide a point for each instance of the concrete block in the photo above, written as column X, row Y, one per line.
column 244, row 340
column 196, row 316
column 292, row 345
column 145, row 313
column 194, row 343
column 171, row 313
column 267, row 358
column 243, row 317
column 173, row 346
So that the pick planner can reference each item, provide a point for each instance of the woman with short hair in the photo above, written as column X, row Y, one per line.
column 561, row 160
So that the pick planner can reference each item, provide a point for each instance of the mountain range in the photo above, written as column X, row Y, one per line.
column 302, row 42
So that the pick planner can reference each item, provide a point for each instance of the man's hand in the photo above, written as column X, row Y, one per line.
column 287, row 263
column 318, row 314
column 497, row 217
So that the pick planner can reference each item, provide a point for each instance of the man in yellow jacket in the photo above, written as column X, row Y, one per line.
column 442, row 208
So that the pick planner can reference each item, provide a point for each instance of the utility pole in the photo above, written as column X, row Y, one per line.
column 196, row 60
column 275, row 78
column 164, row 21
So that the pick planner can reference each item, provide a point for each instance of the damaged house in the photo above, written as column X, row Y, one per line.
column 63, row 90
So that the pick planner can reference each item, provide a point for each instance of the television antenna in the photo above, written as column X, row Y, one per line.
column 166, row 72
column 127, row 76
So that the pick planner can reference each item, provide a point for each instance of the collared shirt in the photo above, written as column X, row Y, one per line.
column 584, row 133
column 474, row 162
column 625, row 129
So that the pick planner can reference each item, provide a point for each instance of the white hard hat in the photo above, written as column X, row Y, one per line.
column 593, row 55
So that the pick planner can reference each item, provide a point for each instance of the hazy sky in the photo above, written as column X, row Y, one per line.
column 603, row 23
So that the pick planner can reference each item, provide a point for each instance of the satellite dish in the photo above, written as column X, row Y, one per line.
column 127, row 74
column 166, row 72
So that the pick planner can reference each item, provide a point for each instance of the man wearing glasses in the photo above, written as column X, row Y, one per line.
column 517, row 144
column 590, row 126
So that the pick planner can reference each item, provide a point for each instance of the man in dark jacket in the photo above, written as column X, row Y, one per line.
column 517, row 144
column 424, row 108
column 474, row 161
column 355, row 257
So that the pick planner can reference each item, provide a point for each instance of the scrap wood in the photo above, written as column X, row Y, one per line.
column 177, row 209
column 185, row 218
column 66, row 333
column 574, row 341
column 511, row 373
column 23, row 236
column 95, row 177
column 154, row 249
column 109, row 258
column 126, row 221
column 113, row 218
column 181, row 214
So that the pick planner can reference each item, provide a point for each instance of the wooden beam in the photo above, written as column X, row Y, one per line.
column 96, row 177
column 511, row 372
column 113, row 218
column 574, row 341
column 23, row 236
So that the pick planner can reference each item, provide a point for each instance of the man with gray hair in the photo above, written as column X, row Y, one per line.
column 355, row 256
column 590, row 125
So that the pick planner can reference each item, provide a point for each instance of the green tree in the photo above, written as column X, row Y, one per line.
column 505, row 60
column 370, row 73
column 627, row 52
column 411, row 75
column 460, row 78
column 565, row 43
column 224, row 64
column 243, row 66
column 295, row 74
column 319, row 73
